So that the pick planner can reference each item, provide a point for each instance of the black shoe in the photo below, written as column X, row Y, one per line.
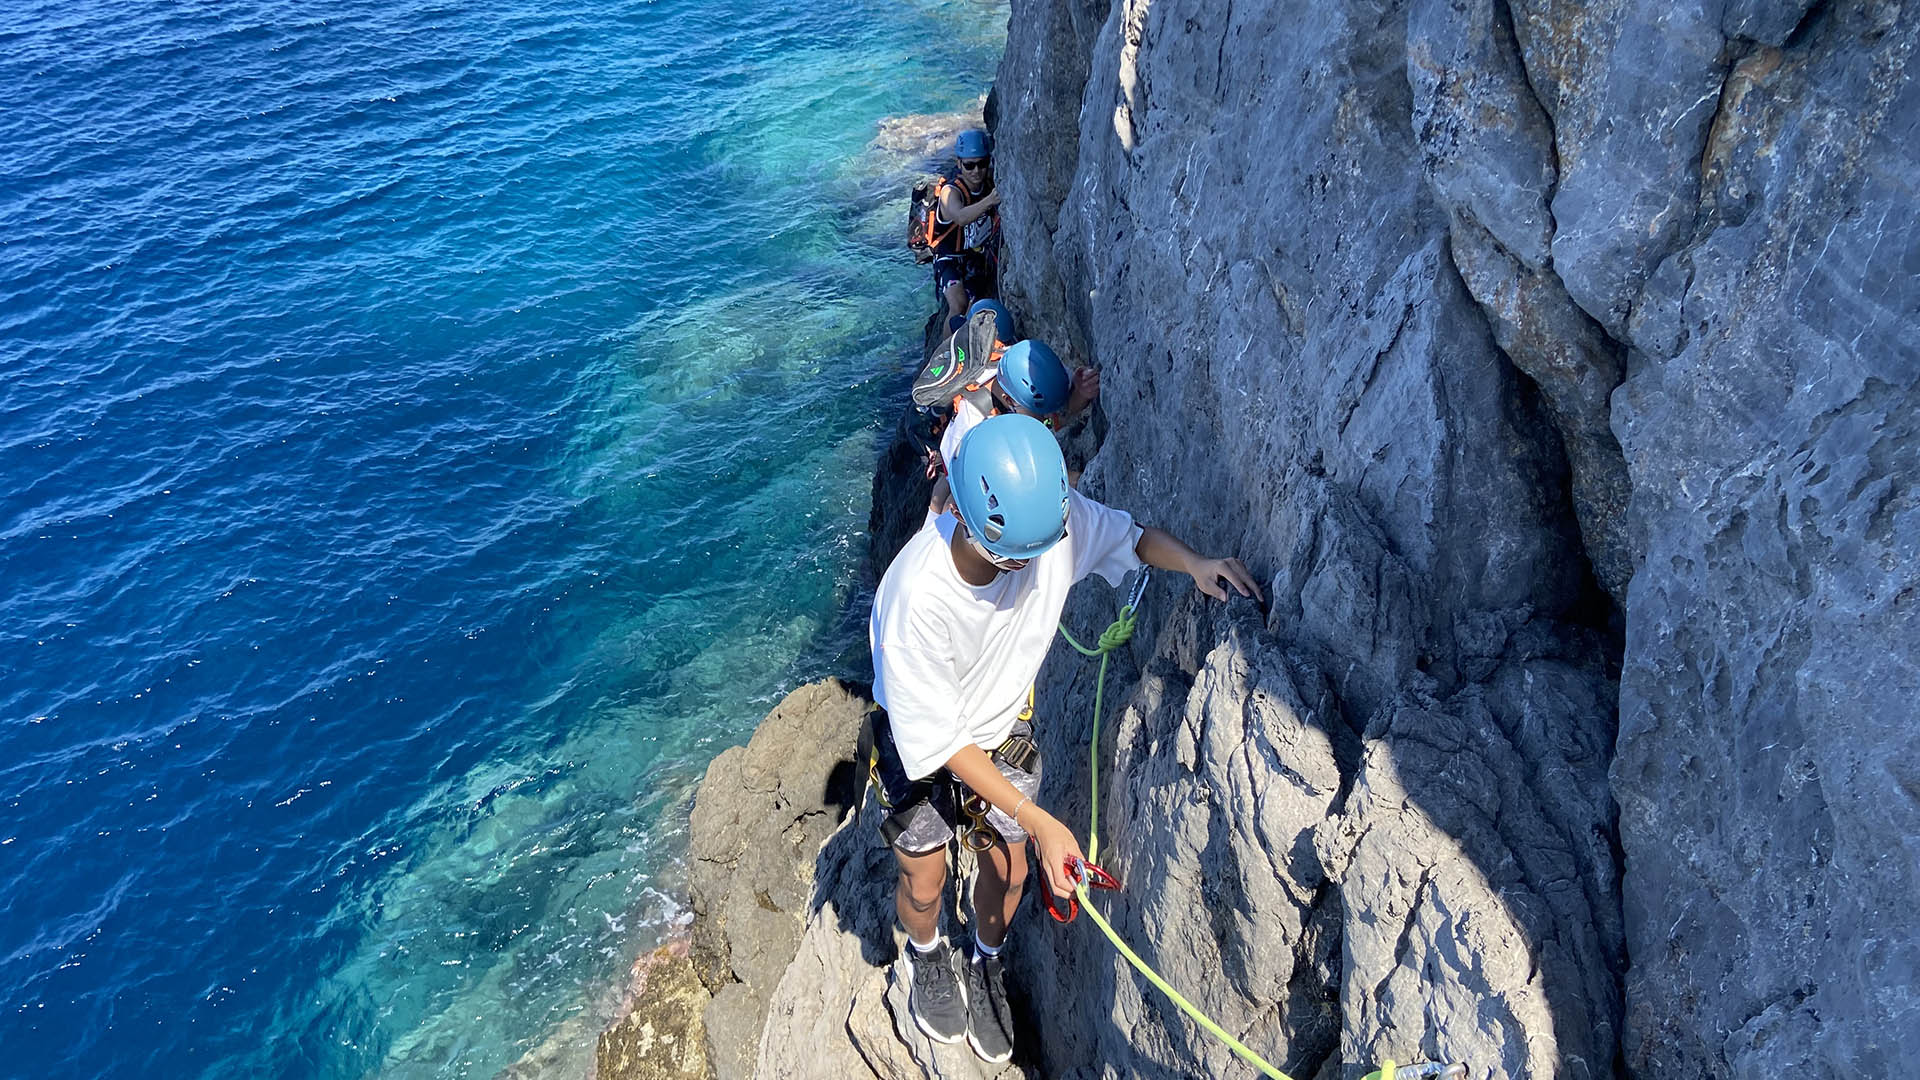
column 989, row 1018
column 934, row 997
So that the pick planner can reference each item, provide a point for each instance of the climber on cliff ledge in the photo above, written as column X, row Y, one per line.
column 967, row 224
column 990, row 374
column 961, row 622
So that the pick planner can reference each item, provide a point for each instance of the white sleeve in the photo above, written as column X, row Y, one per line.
column 1103, row 539
column 965, row 419
column 922, row 696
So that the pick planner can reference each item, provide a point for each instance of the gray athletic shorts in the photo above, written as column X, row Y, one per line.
column 924, row 817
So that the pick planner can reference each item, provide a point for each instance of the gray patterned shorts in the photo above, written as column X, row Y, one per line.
column 922, row 815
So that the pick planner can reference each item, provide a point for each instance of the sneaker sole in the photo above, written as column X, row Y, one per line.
column 921, row 1023
column 946, row 1040
column 986, row 1057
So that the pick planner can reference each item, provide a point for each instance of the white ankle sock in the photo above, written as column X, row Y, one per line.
column 981, row 948
column 928, row 947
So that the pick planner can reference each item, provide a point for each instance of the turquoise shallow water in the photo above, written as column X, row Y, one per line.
column 431, row 434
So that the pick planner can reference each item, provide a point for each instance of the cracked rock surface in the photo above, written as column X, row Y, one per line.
column 1445, row 312
column 1768, row 771
column 1554, row 366
column 761, row 814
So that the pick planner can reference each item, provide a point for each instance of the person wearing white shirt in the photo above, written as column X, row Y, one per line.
column 1026, row 378
column 961, row 623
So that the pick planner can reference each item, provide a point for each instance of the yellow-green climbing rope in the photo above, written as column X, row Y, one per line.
column 1118, row 633
column 1115, row 635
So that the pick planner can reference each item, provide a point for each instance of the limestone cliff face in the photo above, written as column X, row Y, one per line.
column 1462, row 318
column 1554, row 363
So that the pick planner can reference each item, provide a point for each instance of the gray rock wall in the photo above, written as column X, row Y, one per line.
column 1768, row 772
column 1298, row 367
column 758, row 821
column 1487, row 329
column 1554, row 363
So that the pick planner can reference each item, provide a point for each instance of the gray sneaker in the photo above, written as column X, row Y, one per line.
column 935, row 998
column 989, row 1018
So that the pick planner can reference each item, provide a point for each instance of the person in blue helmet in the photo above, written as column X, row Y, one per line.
column 961, row 623
column 1025, row 378
column 966, row 228
column 1031, row 381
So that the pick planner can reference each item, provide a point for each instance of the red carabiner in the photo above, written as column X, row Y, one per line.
column 1083, row 874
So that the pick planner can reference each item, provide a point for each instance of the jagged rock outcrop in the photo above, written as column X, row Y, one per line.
column 1306, row 251
column 1487, row 149
column 1227, row 758
column 1436, row 886
column 758, row 821
column 1555, row 365
column 1479, row 887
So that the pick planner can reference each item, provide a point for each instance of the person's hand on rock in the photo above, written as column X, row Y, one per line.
column 1086, row 387
column 1209, row 573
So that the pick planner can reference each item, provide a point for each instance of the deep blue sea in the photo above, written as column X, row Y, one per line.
column 430, row 434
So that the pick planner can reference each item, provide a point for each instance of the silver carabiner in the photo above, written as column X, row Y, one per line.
column 1139, row 590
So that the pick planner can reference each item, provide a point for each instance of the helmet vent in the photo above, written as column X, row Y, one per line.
column 993, row 527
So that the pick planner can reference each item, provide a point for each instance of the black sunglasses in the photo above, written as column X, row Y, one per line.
column 978, row 163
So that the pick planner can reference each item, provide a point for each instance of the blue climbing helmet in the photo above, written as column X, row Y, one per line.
column 1033, row 376
column 1002, row 319
column 1010, row 486
column 971, row 143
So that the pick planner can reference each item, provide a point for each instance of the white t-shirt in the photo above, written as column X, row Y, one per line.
column 952, row 662
column 965, row 418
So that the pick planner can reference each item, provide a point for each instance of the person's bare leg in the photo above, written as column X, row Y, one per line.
column 997, row 890
column 956, row 295
column 916, row 895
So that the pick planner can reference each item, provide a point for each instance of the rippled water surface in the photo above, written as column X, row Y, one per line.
column 430, row 434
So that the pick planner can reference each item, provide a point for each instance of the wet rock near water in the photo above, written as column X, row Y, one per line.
column 661, row 1036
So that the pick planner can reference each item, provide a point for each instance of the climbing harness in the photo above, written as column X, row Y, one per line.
column 1118, row 633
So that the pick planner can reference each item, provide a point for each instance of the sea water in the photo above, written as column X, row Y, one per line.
column 431, row 432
